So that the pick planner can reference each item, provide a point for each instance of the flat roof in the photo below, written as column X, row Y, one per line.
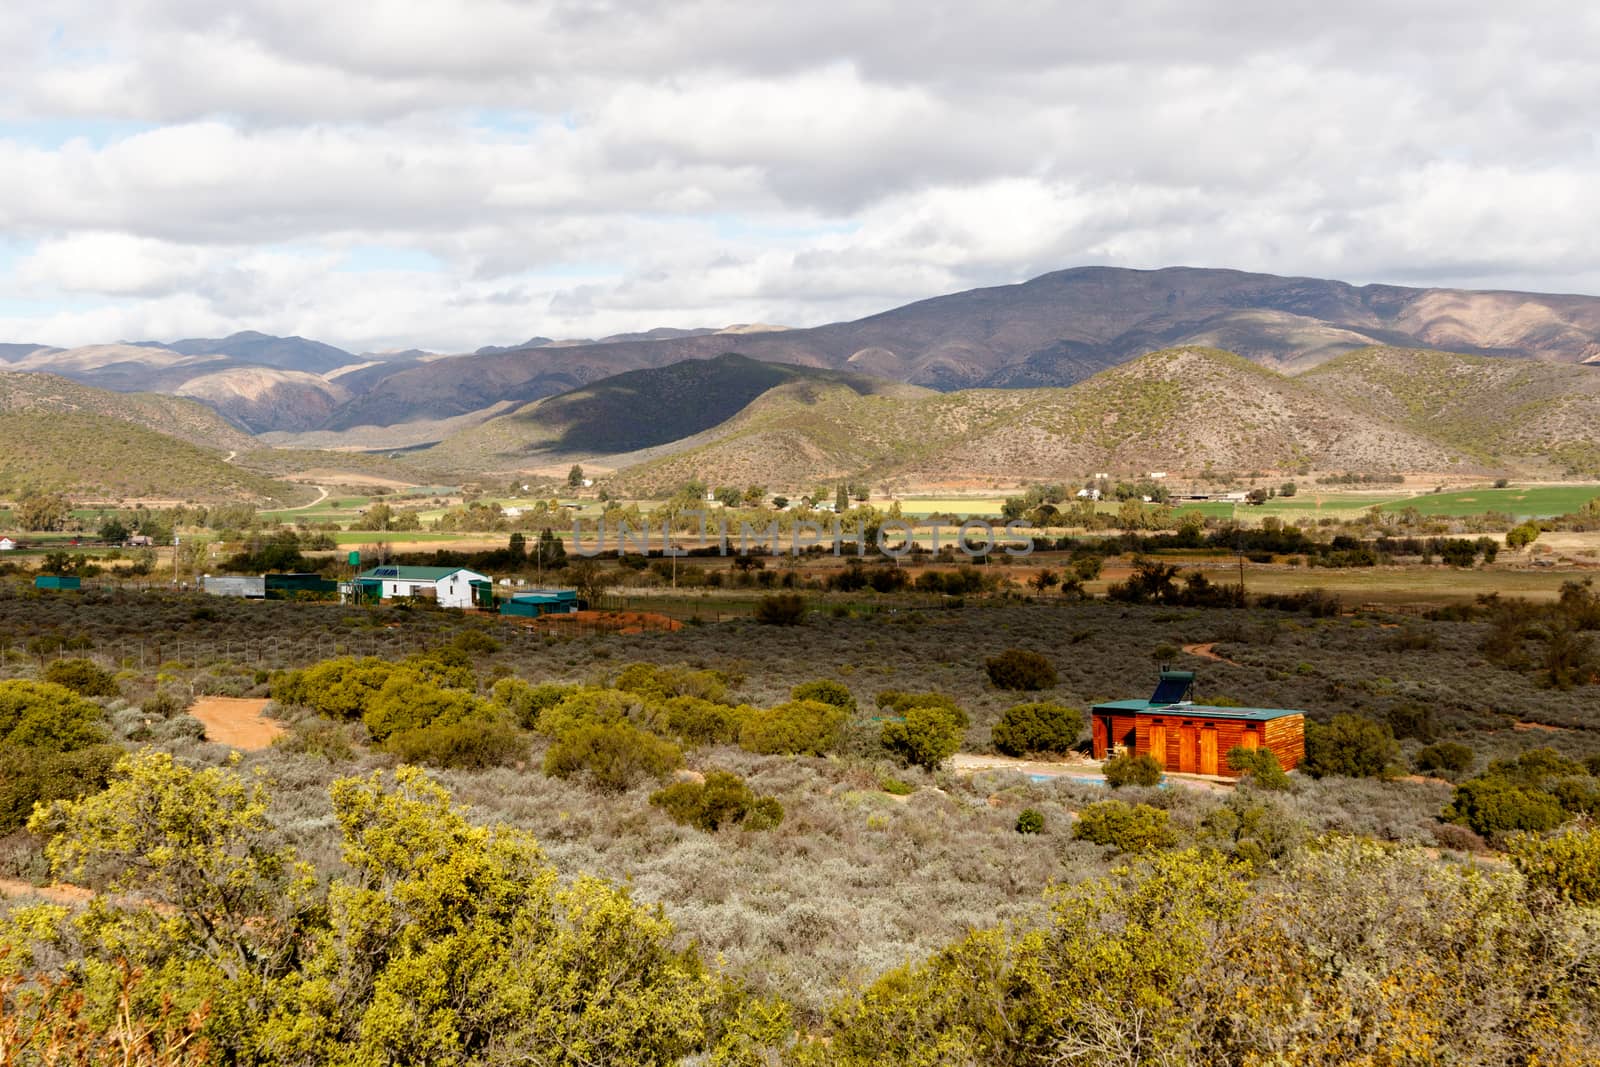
column 1196, row 711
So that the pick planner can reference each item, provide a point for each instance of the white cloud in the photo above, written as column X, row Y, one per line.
column 580, row 169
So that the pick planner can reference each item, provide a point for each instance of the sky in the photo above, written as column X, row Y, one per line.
column 387, row 174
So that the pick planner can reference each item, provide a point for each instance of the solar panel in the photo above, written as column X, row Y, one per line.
column 1173, row 688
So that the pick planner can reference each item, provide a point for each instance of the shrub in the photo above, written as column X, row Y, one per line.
column 475, row 642
column 47, row 718
column 338, row 688
column 585, row 705
column 1260, row 765
column 1125, row 827
column 1447, row 757
column 895, row 787
column 781, row 609
column 900, row 702
column 1030, row 821
column 30, row 776
column 1124, row 770
column 701, row 722
column 651, row 679
column 410, row 702
column 799, row 727
column 1495, row 806
column 1350, row 747
column 1251, row 830
column 467, row 745
column 1017, row 669
column 81, row 676
column 828, row 691
column 615, row 756
column 1567, row 864
column 723, row 799
column 525, row 701
column 318, row 737
column 923, row 737
column 1037, row 727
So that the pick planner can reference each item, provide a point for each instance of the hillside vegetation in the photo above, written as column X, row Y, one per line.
column 1494, row 410
column 644, row 409
column 99, row 456
column 184, row 419
column 1182, row 409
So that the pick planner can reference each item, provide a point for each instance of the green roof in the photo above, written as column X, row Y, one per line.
column 1195, row 711
column 413, row 574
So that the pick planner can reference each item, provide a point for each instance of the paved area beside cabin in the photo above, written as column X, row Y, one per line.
column 236, row 721
column 1081, row 770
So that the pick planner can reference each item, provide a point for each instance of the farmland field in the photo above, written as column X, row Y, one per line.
column 1526, row 502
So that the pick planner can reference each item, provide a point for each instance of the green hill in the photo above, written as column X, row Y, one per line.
column 95, row 456
column 174, row 416
column 640, row 410
column 1181, row 409
column 1499, row 412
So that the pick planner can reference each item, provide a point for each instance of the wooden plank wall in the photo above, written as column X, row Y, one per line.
column 1285, row 737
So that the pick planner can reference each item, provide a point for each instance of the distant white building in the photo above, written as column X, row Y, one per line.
column 1088, row 494
column 7, row 545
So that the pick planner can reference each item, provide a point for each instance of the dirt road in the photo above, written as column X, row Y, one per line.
column 236, row 721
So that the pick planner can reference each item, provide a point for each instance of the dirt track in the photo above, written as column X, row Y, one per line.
column 235, row 721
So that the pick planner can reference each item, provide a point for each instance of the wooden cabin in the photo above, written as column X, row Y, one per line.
column 1191, row 738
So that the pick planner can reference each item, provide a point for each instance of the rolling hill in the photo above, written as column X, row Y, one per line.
column 639, row 410
column 185, row 420
column 262, row 350
column 1181, row 409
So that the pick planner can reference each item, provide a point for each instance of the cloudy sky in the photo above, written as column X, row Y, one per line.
column 388, row 173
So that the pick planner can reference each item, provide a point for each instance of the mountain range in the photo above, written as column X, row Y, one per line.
column 1052, row 331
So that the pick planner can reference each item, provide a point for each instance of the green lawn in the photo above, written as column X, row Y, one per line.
column 1528, row 502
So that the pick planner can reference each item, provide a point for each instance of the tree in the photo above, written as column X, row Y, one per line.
column 1522, row 536
column 43, row 511
column 754, row 496
column 1288, row 489
column 1350, row 747
column 575, row 477
column 112, row 531
column 781, row 609
column 1037, row 728
column 841, row 498
column 923, row 737
column 590, row 579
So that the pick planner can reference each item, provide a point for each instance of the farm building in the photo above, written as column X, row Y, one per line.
column 536, row 602
column 57, row 581
column 7, row 545
column 232, row 585
column 1192, row 738
column 452, row 587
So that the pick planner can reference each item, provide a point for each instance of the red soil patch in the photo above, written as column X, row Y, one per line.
column 1541, row 726
column 235, row 721
column 56, row 894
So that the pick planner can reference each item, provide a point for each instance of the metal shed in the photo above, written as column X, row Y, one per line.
column 57, row 581
column 536, row 602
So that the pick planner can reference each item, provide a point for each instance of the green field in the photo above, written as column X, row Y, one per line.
column 1530, row 502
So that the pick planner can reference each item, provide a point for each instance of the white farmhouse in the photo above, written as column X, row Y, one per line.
column 452, row 587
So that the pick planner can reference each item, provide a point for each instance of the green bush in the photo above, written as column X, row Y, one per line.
column 585, row 705
column 723, row 799
column 781, row 609
column 1132, row 770
column 1030, row 821
column 525, row 701
column 30, row 776
column 923, row 737
column 828, row 691
column 81, row 676
column 1447, row 757
column 1260, row 765
column 1037, row 727
column 900, row 702
column 1252, row 830
column 466, row 745
column 1017, row 669
column 615, row 756
column 1496, row 806
column 700, row 722
column 650, row 679
column 1125, row 827
column 1566, row 864
column 799, row 727
column 410, row 702
column 338, row 688
column 1350, row 747
column 895, row 787
column 47, row 718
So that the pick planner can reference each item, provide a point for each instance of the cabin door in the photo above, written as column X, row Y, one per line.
column 1252, row 739
column 1100, row 735
column 1158, row 743
column 1188, row 746
column 1208, row 750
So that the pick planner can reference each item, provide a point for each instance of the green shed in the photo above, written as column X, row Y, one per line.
column 58, row 581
